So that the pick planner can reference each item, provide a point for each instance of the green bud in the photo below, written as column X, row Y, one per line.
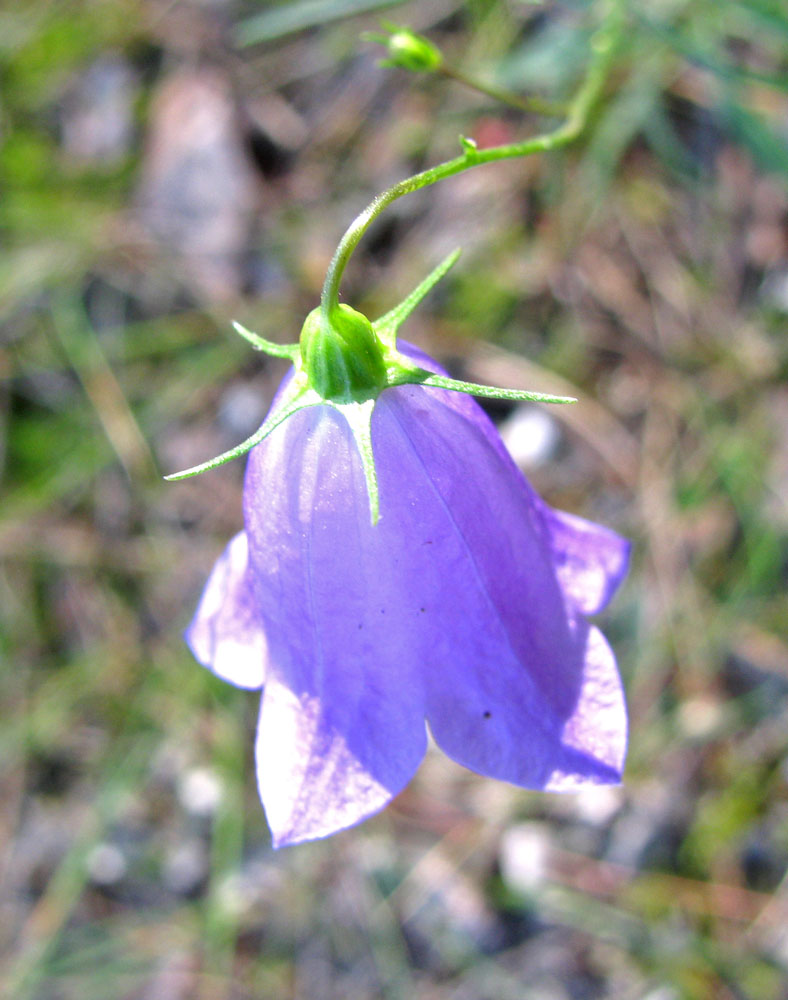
column 407, row 50
column 342, row 357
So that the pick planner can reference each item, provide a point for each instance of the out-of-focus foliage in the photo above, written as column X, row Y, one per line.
column 159, row 178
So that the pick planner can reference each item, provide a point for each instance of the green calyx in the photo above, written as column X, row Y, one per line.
column 341, row 356
column 346, row 362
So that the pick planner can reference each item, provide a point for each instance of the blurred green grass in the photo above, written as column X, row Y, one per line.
column 647, row 270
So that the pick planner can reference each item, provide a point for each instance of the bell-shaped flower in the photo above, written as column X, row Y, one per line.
column 461, row 607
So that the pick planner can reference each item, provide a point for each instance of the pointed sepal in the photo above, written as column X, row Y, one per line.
column 490, row 391
column 359, row 417
column 300, row 397
column 386, row 326
column 289, row 351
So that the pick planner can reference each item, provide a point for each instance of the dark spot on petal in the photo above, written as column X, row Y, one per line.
column 422, row 610
column 360, row 625
column 486, row 715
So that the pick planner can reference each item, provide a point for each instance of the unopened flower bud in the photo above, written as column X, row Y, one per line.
column 410, row 51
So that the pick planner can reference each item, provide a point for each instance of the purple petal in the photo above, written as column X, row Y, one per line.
column 226, row 633
column 324, row 764
column 591, row 560
column 598, row 725
column 514, row 673
column 342, row 717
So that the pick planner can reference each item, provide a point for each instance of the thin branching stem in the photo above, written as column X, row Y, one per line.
column 603, row 45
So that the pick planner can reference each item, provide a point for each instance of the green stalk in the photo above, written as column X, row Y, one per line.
column 603, row 46
column 532, row 105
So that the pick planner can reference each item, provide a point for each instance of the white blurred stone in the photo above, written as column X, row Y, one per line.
column 185, row 866
column 97, row 117
column 255, row 884
column 198, row 192
column 523, row 856
column 531, row 435
column 242, row 409
column 774, row 291
column 598, row 806
column 200, row 791
column 780, row 946
column 232, row 896
column 700, row 717
column 662, row 993
column 106, row 864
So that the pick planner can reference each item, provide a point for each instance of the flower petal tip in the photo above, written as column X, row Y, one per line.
column 225, row 635
column 591, row 560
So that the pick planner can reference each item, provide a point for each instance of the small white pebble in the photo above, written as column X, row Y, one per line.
column 774, row 291
column 662, row 993
column 700, row 717
column 531, row 435
column 185, row 866
column 599, row 805
column 242, row 409
column 200, row 791
column 523, row 856
column 106, row 864
column 232, row 896
column 776, row 942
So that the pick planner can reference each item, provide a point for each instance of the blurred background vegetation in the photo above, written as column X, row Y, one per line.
column 169, row 165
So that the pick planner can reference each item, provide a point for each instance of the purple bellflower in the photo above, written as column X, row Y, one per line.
column 397, row 567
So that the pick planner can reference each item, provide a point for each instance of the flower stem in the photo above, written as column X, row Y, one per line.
column 533, row 105
column 603, row 45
